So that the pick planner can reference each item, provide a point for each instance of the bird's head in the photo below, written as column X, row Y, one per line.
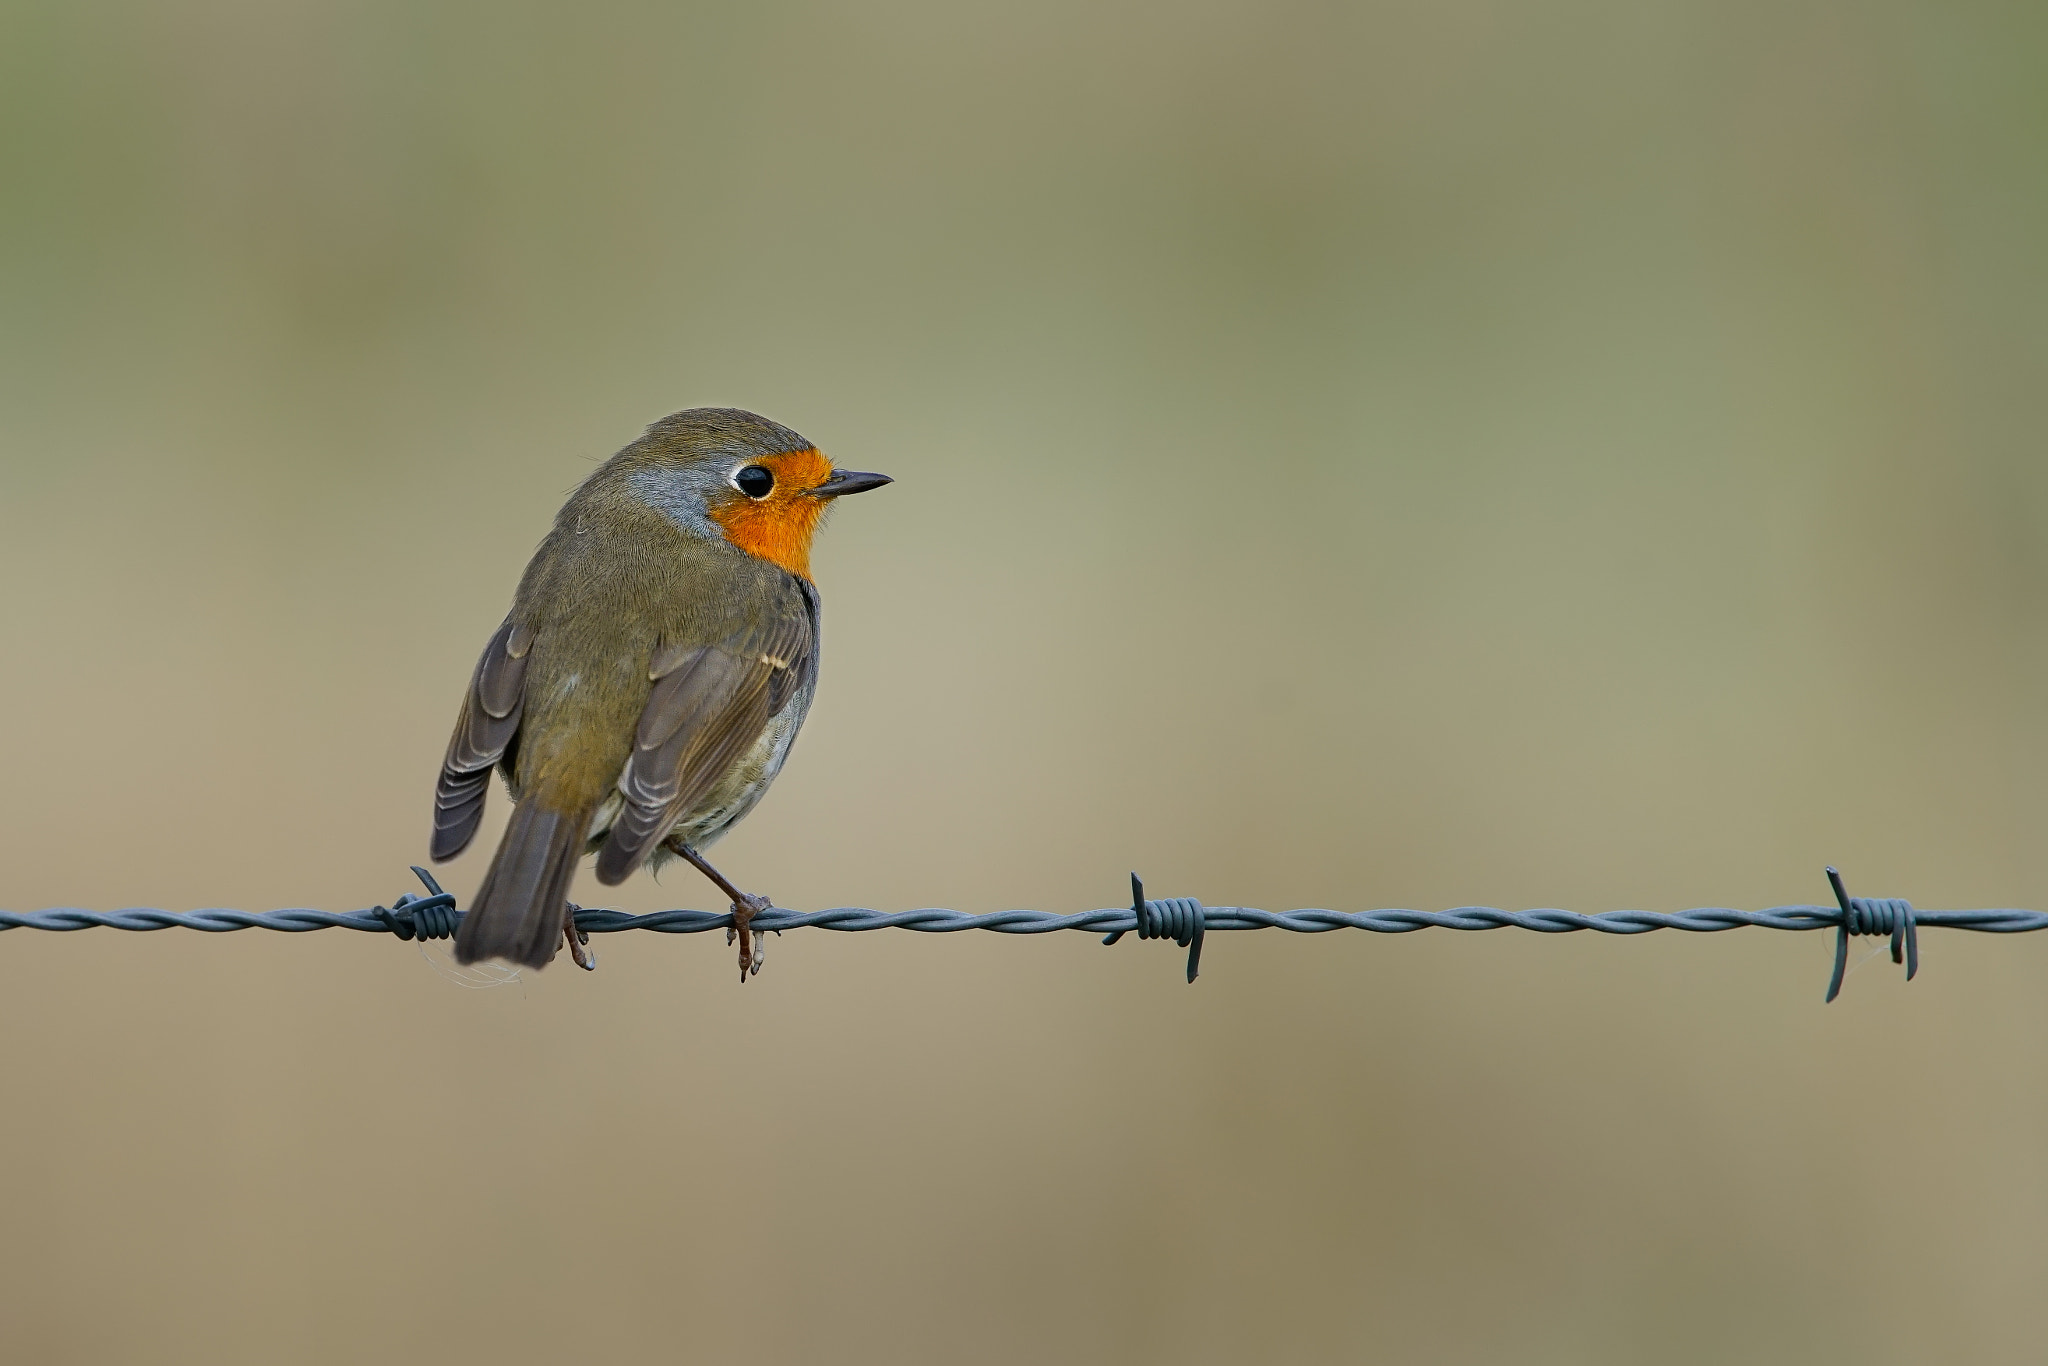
column 725, row 473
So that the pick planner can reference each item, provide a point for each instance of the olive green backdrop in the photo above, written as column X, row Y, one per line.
column 1578, row 455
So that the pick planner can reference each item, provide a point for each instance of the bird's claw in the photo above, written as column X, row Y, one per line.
column 578, row 940
column 753, row 950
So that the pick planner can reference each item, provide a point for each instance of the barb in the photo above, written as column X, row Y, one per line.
column 1182, row 919
column 432, row 916
column 1872, row 915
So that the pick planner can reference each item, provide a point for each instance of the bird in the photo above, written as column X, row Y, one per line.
column 644, row 690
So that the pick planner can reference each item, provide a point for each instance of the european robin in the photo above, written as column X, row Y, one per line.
column 658, row 660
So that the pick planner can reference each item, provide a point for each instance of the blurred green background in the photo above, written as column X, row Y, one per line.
column 1397, row 455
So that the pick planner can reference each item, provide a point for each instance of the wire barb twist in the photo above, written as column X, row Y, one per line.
column 1873, row 915
column 432, row 916
column 1182, row 919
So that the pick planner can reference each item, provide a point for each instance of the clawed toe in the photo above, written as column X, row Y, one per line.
column 753, row 952
column 577, row 940
column 745, row 906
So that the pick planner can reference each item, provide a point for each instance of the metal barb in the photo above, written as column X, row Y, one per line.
column 1183, row 919
column 1873, row 915
column 432, row 916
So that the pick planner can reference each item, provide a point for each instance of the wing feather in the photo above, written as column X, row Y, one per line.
column 708, row 706
column 484, row 728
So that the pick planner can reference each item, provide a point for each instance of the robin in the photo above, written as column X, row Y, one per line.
column 660, row 655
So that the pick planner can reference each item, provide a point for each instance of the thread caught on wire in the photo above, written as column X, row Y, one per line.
column 1184, row 920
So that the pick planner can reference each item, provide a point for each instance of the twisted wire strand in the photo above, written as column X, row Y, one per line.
column 1114, row 919
column 1184, row 920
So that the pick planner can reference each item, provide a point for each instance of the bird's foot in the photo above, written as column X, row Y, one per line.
column 577, row 940
column 753, row 952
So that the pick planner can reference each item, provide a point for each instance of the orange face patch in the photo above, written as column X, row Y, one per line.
column 778, row 527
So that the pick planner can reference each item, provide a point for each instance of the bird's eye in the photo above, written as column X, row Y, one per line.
column 754, row 481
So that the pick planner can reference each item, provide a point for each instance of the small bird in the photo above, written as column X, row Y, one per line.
column 658, row 660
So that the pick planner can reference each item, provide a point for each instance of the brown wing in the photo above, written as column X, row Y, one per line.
column 485, row 726
column 709, row 705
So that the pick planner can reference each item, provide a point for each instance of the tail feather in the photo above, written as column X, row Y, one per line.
column 517, row 914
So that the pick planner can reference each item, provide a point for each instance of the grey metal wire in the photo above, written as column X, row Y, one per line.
column 1114, row 919
column 1182, row 919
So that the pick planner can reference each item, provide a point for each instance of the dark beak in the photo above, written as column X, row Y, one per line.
column 849, row 481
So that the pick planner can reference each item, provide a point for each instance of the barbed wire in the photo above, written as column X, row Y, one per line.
column 1184, row 920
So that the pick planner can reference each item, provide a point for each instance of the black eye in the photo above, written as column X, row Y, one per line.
column 754, row 481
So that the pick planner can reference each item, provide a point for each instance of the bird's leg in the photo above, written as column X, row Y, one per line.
column 745, row 906
column 577, row 940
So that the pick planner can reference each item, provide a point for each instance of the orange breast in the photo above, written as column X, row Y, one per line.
column 778, row 528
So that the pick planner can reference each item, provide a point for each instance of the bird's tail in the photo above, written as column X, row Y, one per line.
column 517, row 914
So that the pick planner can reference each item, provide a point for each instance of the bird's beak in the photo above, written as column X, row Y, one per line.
column 849, row 481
